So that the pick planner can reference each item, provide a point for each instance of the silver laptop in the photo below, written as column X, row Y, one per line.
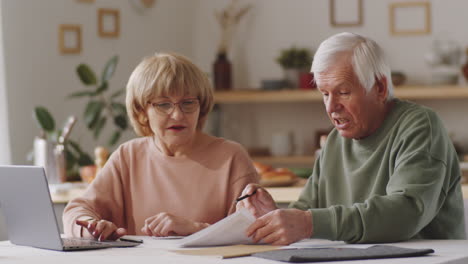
column 30, row 217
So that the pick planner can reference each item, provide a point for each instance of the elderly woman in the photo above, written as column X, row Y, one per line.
column 175, row 179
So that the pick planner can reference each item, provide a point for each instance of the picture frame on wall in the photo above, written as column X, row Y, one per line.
column 108, row 22
column 410, row 18
column 69, row 39
column 346, row 13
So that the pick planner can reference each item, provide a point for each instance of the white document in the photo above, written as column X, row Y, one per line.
column 228, row 231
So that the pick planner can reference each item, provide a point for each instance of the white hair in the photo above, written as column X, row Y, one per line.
column 367, row 59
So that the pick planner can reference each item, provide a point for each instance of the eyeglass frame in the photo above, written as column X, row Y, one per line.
column 173, row 106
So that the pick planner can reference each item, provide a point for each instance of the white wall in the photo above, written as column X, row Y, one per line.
column 38, row 75
column 5, row 155
column 273, row 25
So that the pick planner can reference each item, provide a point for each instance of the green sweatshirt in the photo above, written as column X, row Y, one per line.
column 401, row 182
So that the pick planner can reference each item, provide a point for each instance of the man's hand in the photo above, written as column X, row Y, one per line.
column 282, row 227
column 258, row 204
column 102, row 229
column 165, row 224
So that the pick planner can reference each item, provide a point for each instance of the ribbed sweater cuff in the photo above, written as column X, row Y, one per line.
column 322, row 224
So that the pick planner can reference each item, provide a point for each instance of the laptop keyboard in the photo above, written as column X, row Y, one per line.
column 74, row 242
column 85, row 243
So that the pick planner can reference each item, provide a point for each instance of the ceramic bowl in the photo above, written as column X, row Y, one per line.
column 273, row 84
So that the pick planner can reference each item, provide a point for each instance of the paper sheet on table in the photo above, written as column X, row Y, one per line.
column 228, row 231
column 227, row 251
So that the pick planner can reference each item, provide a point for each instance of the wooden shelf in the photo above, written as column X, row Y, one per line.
column 432, row 92
column 293, row 160
column 288, row 96
column 259, row 96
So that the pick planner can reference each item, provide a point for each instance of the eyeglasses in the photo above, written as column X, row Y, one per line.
column 186, row 106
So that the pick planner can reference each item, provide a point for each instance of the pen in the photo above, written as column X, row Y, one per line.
column 246, row 196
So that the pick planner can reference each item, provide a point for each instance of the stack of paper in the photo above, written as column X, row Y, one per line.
column 228, row 231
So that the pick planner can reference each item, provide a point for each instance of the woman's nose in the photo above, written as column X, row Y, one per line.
column 176, row 112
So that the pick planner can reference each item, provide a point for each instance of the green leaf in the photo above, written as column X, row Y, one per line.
column 100, row 124
column 87, row 76
column 75, row 154
column 85, row 160
column 92, row 112
column 110, row 68
column 70, row 159
column 74, row 145
column 103, row 87
column 44, row 119
column 297, row 58
column 119, row 108
column 115, row 137
column 118, row 93
column 121, row 121
column 81, row 94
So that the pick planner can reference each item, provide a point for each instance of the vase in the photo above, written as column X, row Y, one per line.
column 222, row 72
column 292, row 77
column 52, row 159
column 88, row 173
column 282, row 143
column 306, row 81
column 465, row 66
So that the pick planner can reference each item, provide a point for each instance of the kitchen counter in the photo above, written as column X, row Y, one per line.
column 282, row 195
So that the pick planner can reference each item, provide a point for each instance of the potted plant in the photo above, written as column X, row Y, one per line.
column 294, row 61
column 50, row 141
column 102, row 106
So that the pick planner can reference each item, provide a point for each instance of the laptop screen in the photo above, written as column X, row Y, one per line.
column 27, row 207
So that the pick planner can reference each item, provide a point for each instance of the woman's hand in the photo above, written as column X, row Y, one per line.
column 102, row 229
column 259, row 203
column 165, row 224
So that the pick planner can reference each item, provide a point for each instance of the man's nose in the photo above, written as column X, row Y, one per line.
column 332, row 104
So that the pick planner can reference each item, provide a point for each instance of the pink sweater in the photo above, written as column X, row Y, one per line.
column 138, row 181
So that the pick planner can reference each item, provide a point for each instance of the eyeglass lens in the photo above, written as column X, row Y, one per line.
column 186, row 106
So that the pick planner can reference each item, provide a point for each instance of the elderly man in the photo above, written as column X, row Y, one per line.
column 388, row 171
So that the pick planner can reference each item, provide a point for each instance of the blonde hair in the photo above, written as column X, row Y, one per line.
column 164, row 74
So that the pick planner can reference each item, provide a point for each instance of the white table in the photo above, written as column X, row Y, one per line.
column 157, row 251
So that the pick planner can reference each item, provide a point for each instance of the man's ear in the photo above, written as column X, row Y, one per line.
column 382, row 88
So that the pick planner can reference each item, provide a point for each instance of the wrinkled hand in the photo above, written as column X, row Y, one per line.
column 165, row 224
column 258, row 204
column 102, row 229
column 282, row 227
